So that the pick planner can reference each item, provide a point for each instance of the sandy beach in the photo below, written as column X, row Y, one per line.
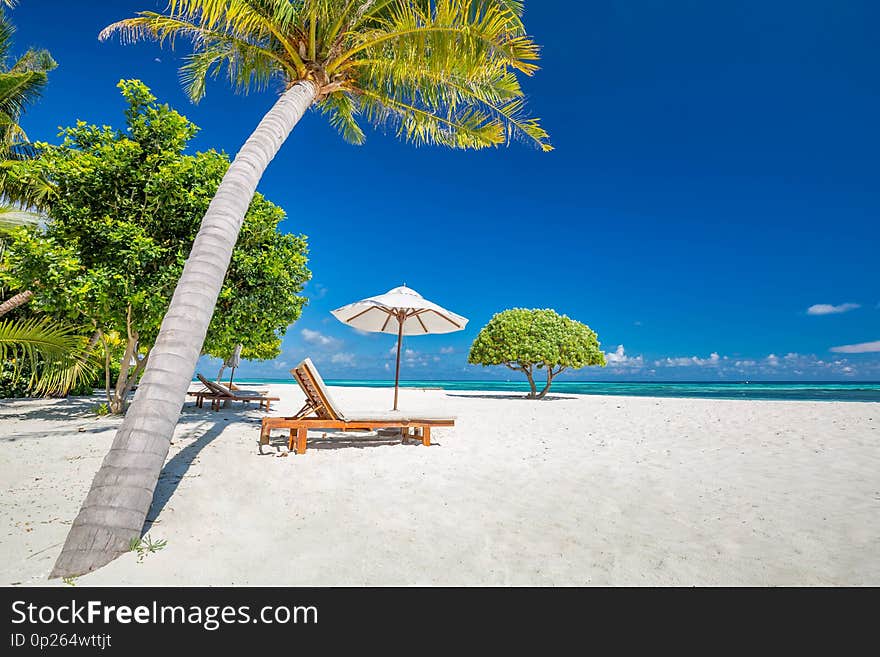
column 573, row 490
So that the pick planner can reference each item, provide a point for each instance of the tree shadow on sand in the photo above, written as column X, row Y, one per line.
column 512, row 397
column 176, row 467
column 47, row 408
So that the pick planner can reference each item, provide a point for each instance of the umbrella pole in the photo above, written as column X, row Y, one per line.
column 231, row 374
column 400, row 321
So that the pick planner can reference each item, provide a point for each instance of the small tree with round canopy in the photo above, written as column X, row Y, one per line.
column 525, row 340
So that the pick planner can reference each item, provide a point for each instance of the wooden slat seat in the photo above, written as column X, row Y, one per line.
column 320, row 412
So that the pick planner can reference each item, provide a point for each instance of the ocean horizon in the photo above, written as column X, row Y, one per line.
column 859, row 391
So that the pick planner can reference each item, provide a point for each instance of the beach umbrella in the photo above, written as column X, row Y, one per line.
column 401, row 311
column 233, row 361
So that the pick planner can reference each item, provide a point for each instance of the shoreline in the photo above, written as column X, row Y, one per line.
column 753, row 391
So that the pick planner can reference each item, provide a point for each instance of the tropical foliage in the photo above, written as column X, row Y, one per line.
column 432, row 71
column 37, row 354
column 124, row 208
column 525, row 340
column 51, row 352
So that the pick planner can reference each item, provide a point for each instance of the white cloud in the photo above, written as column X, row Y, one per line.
column 691, row 361
column 828, row 309
column 618, row 358
column 343, row 359
column 320, row 291
column 772, row 360
column 861, row 348
column 404, row 353
column 447, row 350
column 318, row 339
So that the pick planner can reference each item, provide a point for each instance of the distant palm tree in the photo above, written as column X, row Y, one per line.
column 434, row 71
column 20, row 84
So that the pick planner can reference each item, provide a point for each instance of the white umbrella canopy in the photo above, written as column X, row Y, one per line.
column 233, row 361
column 380, row 314
column 401, row 311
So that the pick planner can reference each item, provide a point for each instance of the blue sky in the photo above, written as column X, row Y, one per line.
column 715, row 178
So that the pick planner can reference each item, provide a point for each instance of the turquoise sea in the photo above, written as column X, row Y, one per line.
column 862, row 392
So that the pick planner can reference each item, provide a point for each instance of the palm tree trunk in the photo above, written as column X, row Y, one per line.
column 14, row 302
column 116, row 506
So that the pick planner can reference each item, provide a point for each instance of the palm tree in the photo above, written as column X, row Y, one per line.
column 435, row 71
column 20, row 84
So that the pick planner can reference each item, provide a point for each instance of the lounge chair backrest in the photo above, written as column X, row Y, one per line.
column 216, row 388
column 306, row 374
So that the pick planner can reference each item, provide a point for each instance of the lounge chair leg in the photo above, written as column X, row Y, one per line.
column 290, row 446
column 426, row 436
column 301, row 437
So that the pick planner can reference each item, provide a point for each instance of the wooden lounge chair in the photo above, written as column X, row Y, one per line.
column 319, row 412
column 218, row 393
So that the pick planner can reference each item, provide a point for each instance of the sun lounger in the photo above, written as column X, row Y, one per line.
column 319, row 412
column 219, row 393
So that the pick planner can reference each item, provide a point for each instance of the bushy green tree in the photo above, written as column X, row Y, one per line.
column 525, row 340
column 124, row 208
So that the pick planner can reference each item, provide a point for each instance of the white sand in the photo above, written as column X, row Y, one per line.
column 570, row 491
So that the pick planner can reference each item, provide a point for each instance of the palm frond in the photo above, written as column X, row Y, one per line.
column 342, row 109
column 466, row 128
column 446, row 70
column 21, row 85
column 451, row 59
column 26, row 187
column 7, row 31
column 54, row 352
column 235, row 19
column 450, row 33
column 61, row 376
